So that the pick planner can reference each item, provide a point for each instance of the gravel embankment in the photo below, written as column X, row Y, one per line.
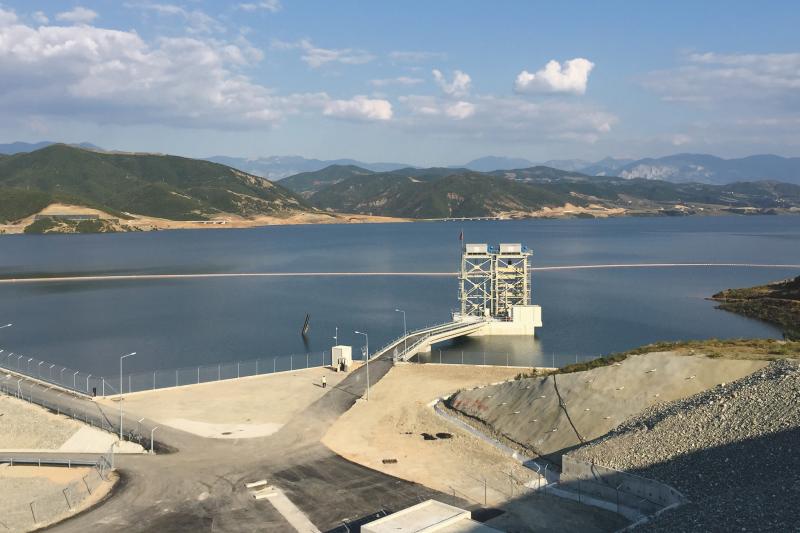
column 732, row 450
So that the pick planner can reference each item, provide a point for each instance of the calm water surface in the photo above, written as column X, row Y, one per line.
column 172, row 323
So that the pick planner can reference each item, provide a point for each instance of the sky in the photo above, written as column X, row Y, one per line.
column 416, row 82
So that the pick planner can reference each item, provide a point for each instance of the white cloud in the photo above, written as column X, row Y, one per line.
column 679, row 139
column 711, row 77
column 272, row 6
column 459, row 87
column 571, row 78
column 197, row 21
column 316, row 57
column 78, row 15
column 400, row 80
column 40, row 17
column 416, row 57
column 510, row 119
column 359, row 108
column 7, row 17
column 83, row 72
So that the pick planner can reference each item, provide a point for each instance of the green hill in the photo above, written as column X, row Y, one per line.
column 307, row 183
column 442, row 193
column 170, row 187
column 777, row 303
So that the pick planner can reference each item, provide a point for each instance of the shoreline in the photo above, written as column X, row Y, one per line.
column 139, row 223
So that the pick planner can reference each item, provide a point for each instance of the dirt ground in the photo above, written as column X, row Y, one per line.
column 146, row 223
column 592, row 403
column 20, row 485
column 255, row 406
column 25, row 427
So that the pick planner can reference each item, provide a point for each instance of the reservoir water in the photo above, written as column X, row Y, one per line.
column 182, row 322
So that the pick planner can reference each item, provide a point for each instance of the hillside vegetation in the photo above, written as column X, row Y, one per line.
column 449, row 192
column 777, row 303
column 169, row 187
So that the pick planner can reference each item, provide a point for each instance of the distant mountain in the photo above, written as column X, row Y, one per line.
column 491, row 162
column 170, row 187
column 444, row 193
column 279, row 167
column 572, row 165
column 23, row 147
column 605, row 167
column 307, row 183
column 703, row 168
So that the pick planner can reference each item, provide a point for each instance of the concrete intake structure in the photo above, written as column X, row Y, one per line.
column 495, row 286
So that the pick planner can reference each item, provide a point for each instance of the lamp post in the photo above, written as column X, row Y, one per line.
column 152, row 431
column 73, row 379
column 39, row 369
column 50, row 375
column 120, row 391
column 405, row 333
column 366, row 340
column 29, row 365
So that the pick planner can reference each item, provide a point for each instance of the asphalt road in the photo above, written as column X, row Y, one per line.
column 200, row 485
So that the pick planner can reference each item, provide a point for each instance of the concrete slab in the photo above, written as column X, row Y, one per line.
column 251, row 407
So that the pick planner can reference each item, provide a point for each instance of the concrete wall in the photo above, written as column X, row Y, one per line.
column 524, row 321
column 644, row 494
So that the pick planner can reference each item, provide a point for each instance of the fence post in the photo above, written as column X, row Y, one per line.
column 306, row 360
column 506, row 358
column 462, row 357
column 291, row 362
column 104, row 387
column 176, row 378
column 198, row 374
column 238, row 375
column 129, row 384
column 273, row 364
column 219, row 371
column 154, row 380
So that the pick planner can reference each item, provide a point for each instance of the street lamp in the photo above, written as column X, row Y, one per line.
column 405, row 333
column 151, row 438
column 120, row 391
column 51, row 372
column 29, row 365
column 39, row 369
column 74, row 374
column 6, row 326
column 366, row 340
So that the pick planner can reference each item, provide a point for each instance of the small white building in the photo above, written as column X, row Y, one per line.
column 428, row 516
column 342, row 357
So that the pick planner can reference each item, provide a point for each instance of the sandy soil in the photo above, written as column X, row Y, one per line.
column 20, row 485
column 390, row 424
column 25, row 427
column 145, row 223
column 254, row 406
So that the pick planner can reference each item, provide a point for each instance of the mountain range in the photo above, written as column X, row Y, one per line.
column 678, row 168
column 535, row 191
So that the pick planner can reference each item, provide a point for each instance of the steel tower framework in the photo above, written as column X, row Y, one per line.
column 494, row 279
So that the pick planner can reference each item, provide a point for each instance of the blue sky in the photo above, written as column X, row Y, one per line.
column 418, row 82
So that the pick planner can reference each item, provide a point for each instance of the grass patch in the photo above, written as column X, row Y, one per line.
column 766, row 349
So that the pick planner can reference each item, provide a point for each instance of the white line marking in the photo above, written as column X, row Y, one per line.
column 288, row 510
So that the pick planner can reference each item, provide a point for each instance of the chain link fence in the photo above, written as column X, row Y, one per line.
column 157, row 379
column 17, row 513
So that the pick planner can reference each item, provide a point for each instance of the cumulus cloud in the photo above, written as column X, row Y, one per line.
column 458, row 87
column 359, row 108
column 78, row 15
column 316, row 57
column 572, row 77
column 272, row 6
column 40, row 17
column 400, row 80
column 510, row 119
column 84, row 72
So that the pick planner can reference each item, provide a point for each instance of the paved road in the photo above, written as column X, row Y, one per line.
column 200, row 487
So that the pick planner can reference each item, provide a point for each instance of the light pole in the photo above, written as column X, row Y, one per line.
column 51, row 372
column 39, row 369
column 6, row 326
column 73, row 379
column 151, row 438
column 29, row 365
column 120, row 391
column 405, row 333
column 61, row 377
column 366, row 340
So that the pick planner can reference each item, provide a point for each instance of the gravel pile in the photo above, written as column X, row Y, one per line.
column 733, row 450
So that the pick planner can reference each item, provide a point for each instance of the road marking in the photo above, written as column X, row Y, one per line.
column 286, row 508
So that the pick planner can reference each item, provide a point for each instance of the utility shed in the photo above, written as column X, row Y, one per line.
column 428, row 516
